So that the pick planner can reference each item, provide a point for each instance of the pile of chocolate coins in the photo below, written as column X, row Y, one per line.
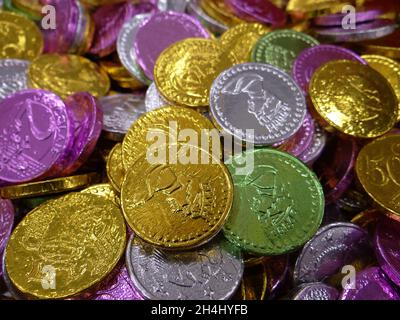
column 200, row 150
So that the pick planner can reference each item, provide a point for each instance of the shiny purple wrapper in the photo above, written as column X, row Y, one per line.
column 335, row 167
column 6, row 225
column 118, row 286
column 311, row 59
column 371, row 284
column 88, row 123
column 317, row 145
column 35, row 134
column 60, row 39
column 164, row 29
column 109, row 20
column 335, row 20
column 387, row 248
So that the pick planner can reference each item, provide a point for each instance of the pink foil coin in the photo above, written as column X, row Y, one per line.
column 336, row 20
column 302, row 140
column 387, row 248
column 371, row 284
column 60, row 39
column 35, row 134
column 335, row 167
column 109, row 20
column 164, row 29
column 118, row 286
column 311, row 59
column 262, row 11
column 88, row 123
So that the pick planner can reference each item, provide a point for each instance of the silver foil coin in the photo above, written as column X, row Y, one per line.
column 194, row 9
column 334, row 246
column 259, row 97
column 13, row 76
column 120, row 112
column 172, row 5
column 315, row 291
column 153, row 99
column 213, row 272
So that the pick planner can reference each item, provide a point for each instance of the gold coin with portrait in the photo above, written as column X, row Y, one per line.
column 20, row 38
column 354, row 99
column 177, row 204
column 68, row 74
column 65, row 246
column 185, row 71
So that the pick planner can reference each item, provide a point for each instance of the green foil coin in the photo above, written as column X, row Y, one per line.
column 278, row 206
column 280, row 48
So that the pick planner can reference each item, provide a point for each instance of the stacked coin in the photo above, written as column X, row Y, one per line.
column 199, row 150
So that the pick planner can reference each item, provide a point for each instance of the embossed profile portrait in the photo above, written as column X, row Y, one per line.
column 267, row 108
column 267, row 196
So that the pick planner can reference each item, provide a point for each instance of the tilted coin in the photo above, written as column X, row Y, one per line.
column 154, row 100
column 6, row 224
column 315, row 291
column 390, row 69
column 378, row 170
column 68, row 74
column 120, row 113
column 259, row 97
column 20, row 38
column 333, row 247
column 280, row 48
column 221, row 11
column 278, row 206
column 125, row 47
column 318, row 143
column 115, row 168
column 212, row 272
column 194, row 9
column 186, row 70
column 103, row 190
column 168, row 123
column 13, row 77
column 354, row 99
column 78, row 238
column 180, row 204
column 336, row 20
column 47, row 187
column 172, row 5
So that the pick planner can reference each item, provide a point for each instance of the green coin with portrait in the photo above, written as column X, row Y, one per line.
column 280, row 48
column 278, row 202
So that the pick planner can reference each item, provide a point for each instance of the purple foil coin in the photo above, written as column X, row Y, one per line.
column 315, row 291
column 333, row 247
column 316, row 147
column 262, row 11
column 88, row 121
column 60, row 39
column 6, row 225
column 118, row 286
column 335, row 167
column 277, row 269
column 336, row 20
column 302, row 140
column 311, row 59
column 35, row 134
column 164, row 29
column 371, row 284
column 387, row 248
column 109, row 20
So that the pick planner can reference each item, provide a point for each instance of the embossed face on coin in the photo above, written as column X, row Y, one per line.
column 211, row 273
column 276, row 106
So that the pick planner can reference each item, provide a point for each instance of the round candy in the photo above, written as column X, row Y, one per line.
column 280, row 48
column 115, row 167
column 378, row 170
column 20, row 38
column 390, row 69
column 120, row 112
column 314, row 151
column 185, row 71
column 221, row 11
column 180, row 204
column 336, row 20
column 164, row 29
column 386, row 240
column 35, row 134
column 6, row 225
column 195, row 10
column 278, row 206
column 88, row 120
column 13, row 76
column 311, row 59
column 354, row 99
column 68, row 74
column 333, row 247
column 315, row 291
column 259, row 97
column 371, row 284
column 210, row 273
column 78, row 237
column 154, row 100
